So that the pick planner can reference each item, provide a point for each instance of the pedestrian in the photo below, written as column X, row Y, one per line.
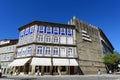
column 38, row 72
column 16, row 71
column 99, row 72
column 110, row 72
column 11, row 72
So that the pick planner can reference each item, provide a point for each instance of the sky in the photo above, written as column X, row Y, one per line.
column 104, row 14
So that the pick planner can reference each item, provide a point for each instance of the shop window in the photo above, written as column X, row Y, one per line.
column 46, row 68
column 63, row 68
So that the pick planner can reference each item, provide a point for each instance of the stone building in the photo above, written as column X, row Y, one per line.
column 7, row 52
column 92, row 45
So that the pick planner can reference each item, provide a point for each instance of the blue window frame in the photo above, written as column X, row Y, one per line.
column 22, row 33
column 27, row 31
column 69, row 32
column 32, row 28
column 48, row 30
column 41, row 29
column 62, row 31
column 56, row 30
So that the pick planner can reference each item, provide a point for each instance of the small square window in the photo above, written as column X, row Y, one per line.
column 56, row 39
column 32, row 29
column 41, row 29
column 70, row 52
column 62, row 31
column 56, row 30
column 55, row 51
column 40, row 38
column 49, row 29
column 39, row 50
column 47, row 51
column 47, row 39
column 69, row 32
column 26, row 31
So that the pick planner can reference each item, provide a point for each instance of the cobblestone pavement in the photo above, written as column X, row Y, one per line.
column 63, row 77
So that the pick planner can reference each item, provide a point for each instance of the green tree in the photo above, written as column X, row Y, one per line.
column 112, row 60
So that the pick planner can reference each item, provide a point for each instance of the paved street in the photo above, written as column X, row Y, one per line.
column 63, row 77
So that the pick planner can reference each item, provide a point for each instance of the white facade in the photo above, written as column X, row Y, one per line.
column 43, row 35
column 7, row 53
column 39, row 43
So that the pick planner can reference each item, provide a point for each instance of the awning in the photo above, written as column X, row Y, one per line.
column 19, row 62
column 64, row 62
column 41, row 61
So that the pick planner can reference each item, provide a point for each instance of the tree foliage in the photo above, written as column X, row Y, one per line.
column 112, row 60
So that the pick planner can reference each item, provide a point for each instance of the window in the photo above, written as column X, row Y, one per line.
column 24, row 51
column 56, row 39
column 69, row 32
column 47, row 39
column 31, row 37
column 62, row 31
column 41, row 29
column 70, row 52
column 40, row 38
column 48, row 29
column 56, row 30
column 19, row 52
column 22, row 33
column 32, row 29
column 29, row 50
column 26, row 31
column 47, row 51
column 63, row 52
column 56, row 51
column 39, row 50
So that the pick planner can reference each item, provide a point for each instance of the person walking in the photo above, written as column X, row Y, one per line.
column 11, row 72
column 99, row 72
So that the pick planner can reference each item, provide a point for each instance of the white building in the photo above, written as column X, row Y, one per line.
column 7, row 52
column 47, row 47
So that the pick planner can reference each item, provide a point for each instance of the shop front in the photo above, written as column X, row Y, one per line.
column 44, row 66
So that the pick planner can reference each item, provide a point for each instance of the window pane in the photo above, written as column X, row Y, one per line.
column 32, row 29
column 47, row 39
column 56, row 39
column 39, row 50
column 62, row 31
column 40, row 38
column 48, row 51
column 56, row 51
column 48, row 29
column 70, row 52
